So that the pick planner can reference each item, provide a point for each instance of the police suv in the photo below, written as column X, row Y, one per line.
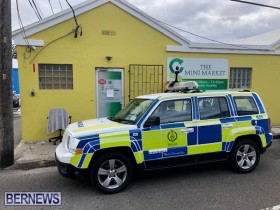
column 166, row 130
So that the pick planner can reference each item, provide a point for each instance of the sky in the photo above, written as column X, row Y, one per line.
column 220, row 20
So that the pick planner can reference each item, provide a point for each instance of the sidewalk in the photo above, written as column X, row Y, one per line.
column 41, row 154
column 34, row 155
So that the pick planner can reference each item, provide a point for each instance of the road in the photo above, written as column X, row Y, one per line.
column 211, row 186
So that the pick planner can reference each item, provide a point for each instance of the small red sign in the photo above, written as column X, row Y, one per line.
column 102, row 81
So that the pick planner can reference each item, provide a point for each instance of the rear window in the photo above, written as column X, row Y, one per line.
column 213, row 108
column 245, row 105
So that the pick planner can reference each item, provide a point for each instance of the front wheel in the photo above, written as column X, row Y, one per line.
column 245, row 156
column 111, row 173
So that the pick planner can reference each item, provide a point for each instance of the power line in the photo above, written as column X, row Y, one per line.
column 74, row 15
column 38, row 8
column 34, row 9
column 21, row 25
column 256, row 4
column 51, row 42
column 51, row 6
column 60, row 5
column 203, row 37
column 75, row 19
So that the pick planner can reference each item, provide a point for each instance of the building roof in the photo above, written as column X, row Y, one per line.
column 89, row 5
column 247, row 46
column 268, row 38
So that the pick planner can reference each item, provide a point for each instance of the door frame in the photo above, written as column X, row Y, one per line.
column 97, row 69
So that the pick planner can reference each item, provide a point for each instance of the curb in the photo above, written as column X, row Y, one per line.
column 27, row 165
column 276, row 136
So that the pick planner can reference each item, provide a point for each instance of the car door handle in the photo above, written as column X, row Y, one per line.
column 227, row 125
column 187, row 130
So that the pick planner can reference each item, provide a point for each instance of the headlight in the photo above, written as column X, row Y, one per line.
column 66, row 141
column 71, row 145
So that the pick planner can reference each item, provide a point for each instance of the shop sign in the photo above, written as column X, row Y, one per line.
column 210, row 74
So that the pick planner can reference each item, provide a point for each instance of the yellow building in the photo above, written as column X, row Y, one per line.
column 114, row 52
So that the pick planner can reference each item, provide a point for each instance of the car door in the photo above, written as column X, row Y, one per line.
column 177, row 133
column 214, row 128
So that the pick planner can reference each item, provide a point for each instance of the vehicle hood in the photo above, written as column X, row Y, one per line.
column 96, row 126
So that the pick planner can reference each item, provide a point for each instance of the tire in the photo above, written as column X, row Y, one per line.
column 245, row 156
column 111, row 172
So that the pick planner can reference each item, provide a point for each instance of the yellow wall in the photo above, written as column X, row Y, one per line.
column 134, row 43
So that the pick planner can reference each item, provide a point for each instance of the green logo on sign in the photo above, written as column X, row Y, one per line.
column 178, row 66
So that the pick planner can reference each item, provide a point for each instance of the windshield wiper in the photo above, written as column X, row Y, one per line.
column 124, row 121
column 115, row 119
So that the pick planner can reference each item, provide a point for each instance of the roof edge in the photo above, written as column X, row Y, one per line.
column 91, row 4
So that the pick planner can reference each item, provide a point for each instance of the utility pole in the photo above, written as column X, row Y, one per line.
column 6, row 99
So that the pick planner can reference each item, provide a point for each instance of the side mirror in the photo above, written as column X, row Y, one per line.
column 152, row 121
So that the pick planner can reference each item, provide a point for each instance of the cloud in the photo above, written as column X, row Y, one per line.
column 221, row 20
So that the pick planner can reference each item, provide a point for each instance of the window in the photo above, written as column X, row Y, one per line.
column 55, row 76
column 245, row 105
column 212, row 108
column 131, row 113
column 174, row 111
column 240, row 78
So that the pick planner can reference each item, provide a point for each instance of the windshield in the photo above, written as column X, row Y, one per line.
column 133, row 111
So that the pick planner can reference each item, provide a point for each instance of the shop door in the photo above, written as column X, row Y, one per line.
column 109, row 88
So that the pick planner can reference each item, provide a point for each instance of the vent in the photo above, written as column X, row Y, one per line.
column 108, row 33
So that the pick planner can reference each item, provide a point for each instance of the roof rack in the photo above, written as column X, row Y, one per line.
column 244, row 91
column 181, row 87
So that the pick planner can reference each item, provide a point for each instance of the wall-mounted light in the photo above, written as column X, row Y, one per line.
column 32, row 47
column 109, row 58
column 32, row 92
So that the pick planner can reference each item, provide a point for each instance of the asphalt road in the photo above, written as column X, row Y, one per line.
column 201, row 187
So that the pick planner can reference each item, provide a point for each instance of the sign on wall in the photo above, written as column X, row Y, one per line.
column 210, row 74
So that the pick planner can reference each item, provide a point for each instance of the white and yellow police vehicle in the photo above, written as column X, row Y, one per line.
column 166, row 130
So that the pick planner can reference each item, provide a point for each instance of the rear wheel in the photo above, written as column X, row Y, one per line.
column 245, row 156
column 111, row 173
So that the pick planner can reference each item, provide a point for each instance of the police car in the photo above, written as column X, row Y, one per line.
column 166, row 130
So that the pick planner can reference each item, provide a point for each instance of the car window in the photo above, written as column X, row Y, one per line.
column 213, row 107
column 131, row 113
column 174, row 111
column 245, row 105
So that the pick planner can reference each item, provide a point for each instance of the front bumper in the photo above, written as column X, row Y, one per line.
column 70, row 171
column 65, row 168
